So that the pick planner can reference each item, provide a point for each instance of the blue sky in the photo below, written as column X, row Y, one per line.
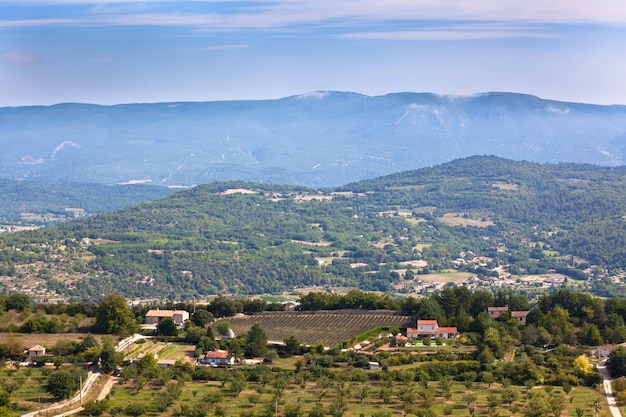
column 109, row 52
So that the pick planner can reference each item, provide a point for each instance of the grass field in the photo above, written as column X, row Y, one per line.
column 459, row 219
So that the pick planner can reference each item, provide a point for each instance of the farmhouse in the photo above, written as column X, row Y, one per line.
column 218, row 357
column 496, row 312
column 430, row 328
column 520, row 316
column 36, row 351
column 177, row 316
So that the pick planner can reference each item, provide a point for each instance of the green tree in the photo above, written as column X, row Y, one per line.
column 617, row 362
column 202, row 318
column 292, row 345
column 222, row 327
column 148, row 362
column 95, row 408
column 167, row 327
column 109, row 358
column 64, row 382
column 114, row 316
column 88, row 342
column 18, row 301
column 256, row 342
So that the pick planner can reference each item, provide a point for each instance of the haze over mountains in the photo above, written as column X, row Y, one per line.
column 318, row 139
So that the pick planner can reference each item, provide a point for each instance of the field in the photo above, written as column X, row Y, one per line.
column 329, row 328
column 365, row 397
column 168, row 350
column 461, row 219
column 26, row 340
column 446, row 277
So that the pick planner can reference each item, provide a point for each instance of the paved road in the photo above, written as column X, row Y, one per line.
column 121, row 346
column 92, row 376
column 607, row 389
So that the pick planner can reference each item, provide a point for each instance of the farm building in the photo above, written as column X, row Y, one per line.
column 218, row 357
column 166, row 363
column 430, row 328
column 177, row 316
column 520, row 316
column 36, row 351
column 496, row 312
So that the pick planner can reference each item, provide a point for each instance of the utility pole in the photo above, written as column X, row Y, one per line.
column 81, row 390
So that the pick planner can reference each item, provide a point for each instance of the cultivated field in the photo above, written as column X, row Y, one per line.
column 359, row 398
column 327, row 327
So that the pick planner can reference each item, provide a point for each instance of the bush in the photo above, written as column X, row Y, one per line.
column 593, row 379
column 95, row 408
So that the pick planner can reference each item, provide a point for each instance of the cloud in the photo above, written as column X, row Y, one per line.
column 223, row 47
column 37, row 22
column 21, row 58
column 283, row 14
column 454, row 33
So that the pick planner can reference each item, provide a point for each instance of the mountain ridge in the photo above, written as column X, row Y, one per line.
column 315, row 139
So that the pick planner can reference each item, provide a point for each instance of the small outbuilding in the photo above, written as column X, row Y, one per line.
column 36, row 351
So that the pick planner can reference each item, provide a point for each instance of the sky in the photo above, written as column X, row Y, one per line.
column 112, row 52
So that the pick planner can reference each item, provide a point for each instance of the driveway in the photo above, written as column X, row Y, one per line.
column 607, row 389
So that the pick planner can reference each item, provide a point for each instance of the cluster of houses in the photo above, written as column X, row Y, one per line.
column 431, row 329
column 496, row 312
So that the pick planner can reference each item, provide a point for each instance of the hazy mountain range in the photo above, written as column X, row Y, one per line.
column 317, row 139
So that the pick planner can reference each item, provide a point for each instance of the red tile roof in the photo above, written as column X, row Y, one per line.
column 447, row 330
column 218, row 354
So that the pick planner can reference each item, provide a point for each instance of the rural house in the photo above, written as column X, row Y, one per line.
column 520, row 316
column 496, row 312
column 177, row 316
column 36, row 351
column 218, row 357
column 430, row 328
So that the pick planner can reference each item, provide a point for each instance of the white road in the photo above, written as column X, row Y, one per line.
column 615, row 412
column 91, row 378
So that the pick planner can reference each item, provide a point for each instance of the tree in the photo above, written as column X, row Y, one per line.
column 18, row 301
column 95, row 408
column 617, row 362
column 292, row 345
column 581, row 365
column 109, row 358
column 202, row 318
column 222, row 327
column 146, row 363
column 88, row 342
column 590, row 335
column 167, row 327
column 64, row 382
column 114, row 316
column 257, row 342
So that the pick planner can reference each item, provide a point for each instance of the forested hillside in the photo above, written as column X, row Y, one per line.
column 487, row 219
column 36, row 203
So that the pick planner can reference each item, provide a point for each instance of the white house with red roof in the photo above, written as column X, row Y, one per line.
column 218, row 357
column 430, row 328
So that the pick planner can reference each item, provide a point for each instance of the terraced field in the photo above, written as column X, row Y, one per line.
column 327, row 327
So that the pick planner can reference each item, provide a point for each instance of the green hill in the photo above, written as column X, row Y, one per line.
column 482, row 217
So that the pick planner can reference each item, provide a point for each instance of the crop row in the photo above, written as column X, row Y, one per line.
column 328, row 329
